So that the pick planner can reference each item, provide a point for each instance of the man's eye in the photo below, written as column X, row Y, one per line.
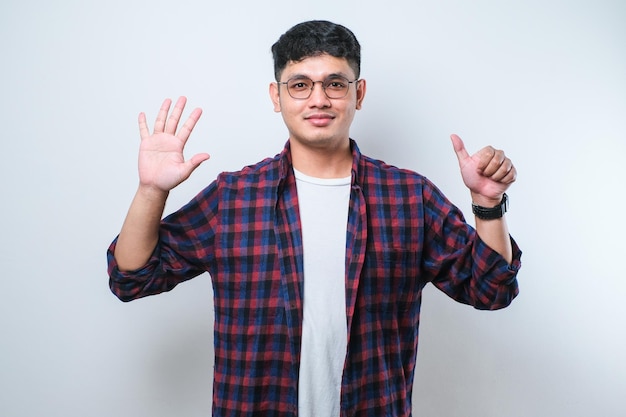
column 299, row 85
column 336, row 85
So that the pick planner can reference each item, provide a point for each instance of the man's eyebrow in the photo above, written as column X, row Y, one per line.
column 299, row 76
column 338, row 74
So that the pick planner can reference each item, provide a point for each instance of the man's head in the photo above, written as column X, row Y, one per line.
column 313, row 38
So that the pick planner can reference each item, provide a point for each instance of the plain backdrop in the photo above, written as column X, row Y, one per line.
column 545, row 80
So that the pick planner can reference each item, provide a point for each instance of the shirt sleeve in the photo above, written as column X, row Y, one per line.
column 459, row 263
column 184, row 250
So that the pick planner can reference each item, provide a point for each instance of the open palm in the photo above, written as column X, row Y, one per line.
column 162, row 164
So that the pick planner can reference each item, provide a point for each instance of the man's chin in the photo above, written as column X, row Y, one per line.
column 321, row 141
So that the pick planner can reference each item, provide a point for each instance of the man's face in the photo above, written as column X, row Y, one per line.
column 318, row 121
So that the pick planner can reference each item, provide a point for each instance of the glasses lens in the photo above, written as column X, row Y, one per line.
column 336, row 87
column 300, row 87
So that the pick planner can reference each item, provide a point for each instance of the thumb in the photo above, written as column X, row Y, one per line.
column 195, row 161
column 459, row 148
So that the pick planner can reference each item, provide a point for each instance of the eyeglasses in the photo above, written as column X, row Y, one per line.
column 335, row 86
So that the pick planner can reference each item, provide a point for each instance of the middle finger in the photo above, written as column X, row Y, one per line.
column 172, row 121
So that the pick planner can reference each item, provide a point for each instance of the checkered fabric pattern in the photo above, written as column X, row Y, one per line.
column 244, row 230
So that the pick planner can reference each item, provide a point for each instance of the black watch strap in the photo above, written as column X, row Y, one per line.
column 496, row 212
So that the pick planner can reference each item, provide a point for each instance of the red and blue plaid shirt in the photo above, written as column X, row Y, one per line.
column 244, row 230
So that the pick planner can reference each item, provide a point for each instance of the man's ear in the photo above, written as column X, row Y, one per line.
column 361, row 87
column 275, row 96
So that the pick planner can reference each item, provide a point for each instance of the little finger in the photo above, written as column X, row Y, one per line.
column 506, row 174
column 144, row 132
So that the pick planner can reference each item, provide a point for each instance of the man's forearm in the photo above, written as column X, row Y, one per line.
column 495, row 234
column 140, row 231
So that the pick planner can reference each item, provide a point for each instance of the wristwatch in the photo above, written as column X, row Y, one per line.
column 496, row 212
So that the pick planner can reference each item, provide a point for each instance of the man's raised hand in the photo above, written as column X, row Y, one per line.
column 488, row 173
column 162, row 165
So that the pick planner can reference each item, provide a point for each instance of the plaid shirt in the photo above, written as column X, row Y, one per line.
column 244, row 229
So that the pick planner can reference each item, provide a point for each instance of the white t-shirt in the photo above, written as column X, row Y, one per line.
column 324, row 216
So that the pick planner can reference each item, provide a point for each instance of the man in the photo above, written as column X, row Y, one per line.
column 318, row 256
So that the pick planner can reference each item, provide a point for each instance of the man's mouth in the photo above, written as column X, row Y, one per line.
column 320, row 119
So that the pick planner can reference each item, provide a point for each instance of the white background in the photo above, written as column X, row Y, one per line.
column 543, row 79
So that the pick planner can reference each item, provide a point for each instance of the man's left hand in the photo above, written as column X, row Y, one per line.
column 488, row 173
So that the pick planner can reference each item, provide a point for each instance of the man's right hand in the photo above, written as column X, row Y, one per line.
column 162, row 165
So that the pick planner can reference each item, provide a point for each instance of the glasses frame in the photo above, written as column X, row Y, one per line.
column 330, row 77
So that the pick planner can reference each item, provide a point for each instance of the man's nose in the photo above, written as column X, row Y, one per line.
column 318, row 94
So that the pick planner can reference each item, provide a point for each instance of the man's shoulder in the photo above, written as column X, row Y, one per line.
column 268, row 169
column 373, row 169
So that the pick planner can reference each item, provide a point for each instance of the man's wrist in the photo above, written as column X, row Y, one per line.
column 485, row 201
column 490, row 211
column 152, row 194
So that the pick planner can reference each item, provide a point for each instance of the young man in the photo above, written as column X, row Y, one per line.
column 318, row 256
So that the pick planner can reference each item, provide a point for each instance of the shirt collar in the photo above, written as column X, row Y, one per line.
column 286, row 163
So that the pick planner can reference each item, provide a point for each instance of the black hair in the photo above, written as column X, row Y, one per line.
column 313, row 38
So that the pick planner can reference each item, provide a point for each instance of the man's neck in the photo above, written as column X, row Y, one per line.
column 322, row 162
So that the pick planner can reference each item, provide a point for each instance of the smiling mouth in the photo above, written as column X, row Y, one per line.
column 319, row 117
column 319, row 120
